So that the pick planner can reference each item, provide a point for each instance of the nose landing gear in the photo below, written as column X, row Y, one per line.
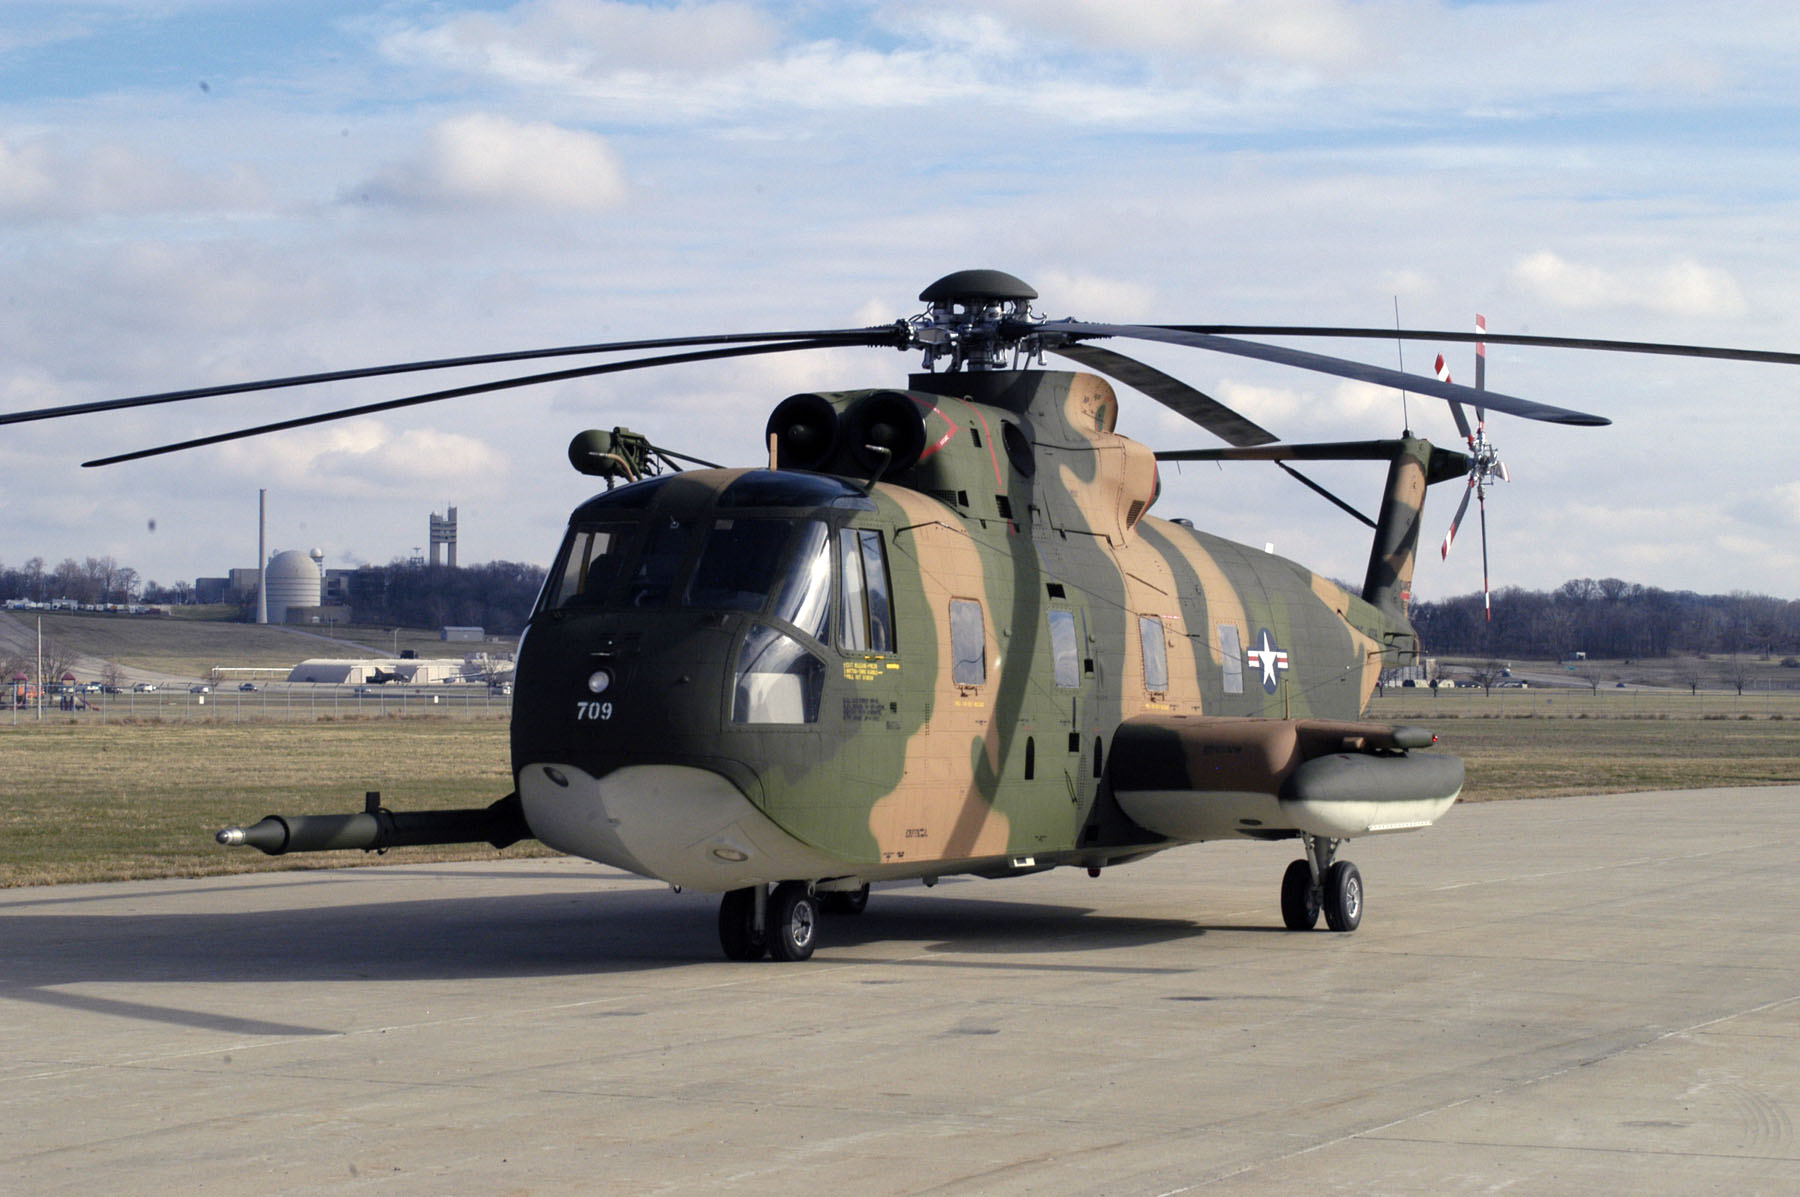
column 1321, row 883
column 783, row 924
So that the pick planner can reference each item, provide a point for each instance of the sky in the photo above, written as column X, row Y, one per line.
column 196, row 192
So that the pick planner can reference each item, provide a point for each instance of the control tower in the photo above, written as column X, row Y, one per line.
column 443, row 532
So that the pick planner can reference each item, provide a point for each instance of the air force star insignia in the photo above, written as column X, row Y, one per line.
column 1270, row 659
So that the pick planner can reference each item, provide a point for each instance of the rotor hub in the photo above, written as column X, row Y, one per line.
column 977, row 320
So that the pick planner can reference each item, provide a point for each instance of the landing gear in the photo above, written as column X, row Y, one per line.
column 783, row 924
column 1343, row 897
column 844, row 901
column 739, row 933
column 1300, row 898
column 792, row 927
column 1321, row 882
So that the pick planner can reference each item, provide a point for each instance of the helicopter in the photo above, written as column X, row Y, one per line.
column 938, row 631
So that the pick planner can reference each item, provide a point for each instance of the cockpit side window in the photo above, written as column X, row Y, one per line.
column 866, row 616
column 805, row 599
column 590, row 565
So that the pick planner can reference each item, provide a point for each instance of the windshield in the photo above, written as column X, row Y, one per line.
column 590, row 565
column 744, row 564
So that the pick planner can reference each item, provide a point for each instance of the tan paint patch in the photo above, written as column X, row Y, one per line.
column 1151, row 589
column 938, row 812
column 1338, row 599
column 1223, row 603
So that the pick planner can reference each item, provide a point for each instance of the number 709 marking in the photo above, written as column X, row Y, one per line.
column 593, row 710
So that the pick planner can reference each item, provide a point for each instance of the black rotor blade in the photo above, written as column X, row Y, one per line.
column 1322, row 364
column 459, row 392
column 1422, row 334
column 840, row 336
column 1228, row 425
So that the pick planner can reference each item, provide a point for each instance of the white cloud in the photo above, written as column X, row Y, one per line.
column 1113, row 299
column 549, row 41
column 365, row 457
column 1290, row 32
column 482, row 160
column 42, row 179
column 1679, row 288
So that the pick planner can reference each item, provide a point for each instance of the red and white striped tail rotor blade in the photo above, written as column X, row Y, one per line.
column 1456, row 409
column 1456, row 521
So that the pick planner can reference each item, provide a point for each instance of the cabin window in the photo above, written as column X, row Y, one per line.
column 664, row 551
column 805, row 598
column 590, row 564
column 1156, row 653
column 1065, row 655
column 777, row 680
column 740, row 564
column 866, row 615
column 1231, row 652
column 968, row 643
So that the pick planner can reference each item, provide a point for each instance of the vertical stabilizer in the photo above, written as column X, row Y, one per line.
column 1416, row 464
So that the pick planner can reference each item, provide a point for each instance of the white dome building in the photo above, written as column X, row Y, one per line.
column 293, row 581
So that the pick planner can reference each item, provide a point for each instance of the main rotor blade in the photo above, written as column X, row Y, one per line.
column 1322, row 364
column 459, row 392
column 1422, row 334
column 1228, row 425
column 841, row 336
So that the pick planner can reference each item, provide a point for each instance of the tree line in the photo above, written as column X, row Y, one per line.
column 496, row 596
column 1609, row 618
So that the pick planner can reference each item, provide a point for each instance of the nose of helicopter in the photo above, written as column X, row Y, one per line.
column 682, row 824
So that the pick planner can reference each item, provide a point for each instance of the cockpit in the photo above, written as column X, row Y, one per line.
column 782, row 548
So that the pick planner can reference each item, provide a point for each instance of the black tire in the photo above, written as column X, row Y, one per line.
column 737, row 926
column 792, row 923
column 1343, row 896
column 844, row 901
column 1300, row 899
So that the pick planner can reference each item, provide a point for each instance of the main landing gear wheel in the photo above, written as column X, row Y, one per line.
column 844, row 901
column 1343, row 896
column 737, row 926
column 1300, row 898
column 792, row 926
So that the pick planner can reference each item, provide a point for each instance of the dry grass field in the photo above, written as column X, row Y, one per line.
column 86, row 802
column 83, row 801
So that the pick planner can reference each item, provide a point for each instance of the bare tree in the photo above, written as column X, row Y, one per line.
column 1486, row 674
column 1737, row 673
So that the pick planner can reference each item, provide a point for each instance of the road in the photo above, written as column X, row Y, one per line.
column 1588, row 994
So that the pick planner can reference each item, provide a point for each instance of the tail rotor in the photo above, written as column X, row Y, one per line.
column 1485, row 466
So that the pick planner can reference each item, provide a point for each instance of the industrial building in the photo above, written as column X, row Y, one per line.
column 410, row 671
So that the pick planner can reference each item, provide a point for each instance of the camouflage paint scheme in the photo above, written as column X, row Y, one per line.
column 1025, row 500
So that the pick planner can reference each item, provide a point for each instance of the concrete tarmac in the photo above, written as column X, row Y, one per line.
column 1567, row 995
